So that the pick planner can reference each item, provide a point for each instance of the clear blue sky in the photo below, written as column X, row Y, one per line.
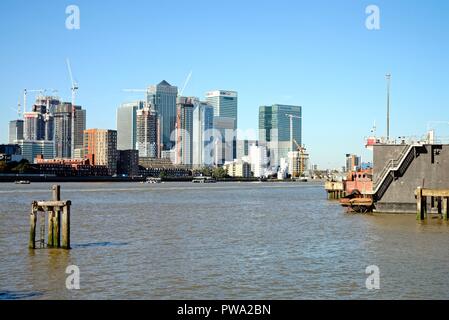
column 317, row 54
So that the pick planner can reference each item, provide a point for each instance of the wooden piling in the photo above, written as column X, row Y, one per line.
column 50, row 230
column 419, row 203
column 424, row 208
column 56, row 229
column 445, row 208
column 57, row 210
column 439, row 205
column 66, row 226
column 56, row 195
column 33, row 220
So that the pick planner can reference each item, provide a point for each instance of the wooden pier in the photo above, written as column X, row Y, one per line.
column 58, row 226
column 438, row 198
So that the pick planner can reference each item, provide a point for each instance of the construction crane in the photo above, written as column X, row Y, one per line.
column 292, row 116
column 302, row 159
column 73, row 89
column 19, row 112
column 25, row 93
column 185, row 84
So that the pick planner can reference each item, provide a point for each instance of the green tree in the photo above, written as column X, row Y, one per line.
column 219, row 173
column 3, row 166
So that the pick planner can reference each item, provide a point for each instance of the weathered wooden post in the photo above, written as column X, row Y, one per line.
column 66, row 225
column 33, row 220
column 424, row 207
column 439, row 205
column 56, row 191
column 445, row 208
column 50, row 230
column 419, row 204
column 55, row 209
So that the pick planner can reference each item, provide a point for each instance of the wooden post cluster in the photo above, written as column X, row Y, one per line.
column 58, row 220
column 438, row 197
column 335, row 194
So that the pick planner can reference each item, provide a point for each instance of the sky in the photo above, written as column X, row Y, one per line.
column 316, row 54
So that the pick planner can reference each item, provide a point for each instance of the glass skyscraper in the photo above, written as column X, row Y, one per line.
column 126, row 125
column 274, row 130
column 162, row 99
column 184, row 130
column 224, row 103
column 203, row 135
column 225, row 106
column 15, row 130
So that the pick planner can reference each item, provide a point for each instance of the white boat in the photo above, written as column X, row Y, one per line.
column 203, row 180
column 154, row 180
column 22, row 182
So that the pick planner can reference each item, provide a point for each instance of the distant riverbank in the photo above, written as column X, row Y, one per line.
column 45, row 178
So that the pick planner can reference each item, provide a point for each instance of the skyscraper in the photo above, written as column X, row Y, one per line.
column 15, row 130
column 274, row 130
column 203, row 124
column 224, row 139
column 63, row 130
column 126, row 125
column 147, row 133
column 39, row 123
column 34, row 126
column 184, row 130
column 225, row 105
column 80, row 126
column 101, row 146
column 162, row 98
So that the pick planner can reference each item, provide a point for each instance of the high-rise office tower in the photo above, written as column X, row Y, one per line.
column 274, row 130
column 101, row 146
column 203, row 135
column 127, row 125
column 80, row 126
column 49, row 127
column 162, row 98
column 147, row 133
column 63, row 130
column 184, row 130
column 15, row 130
column 225, row 104
column 34, row 126
column 62, row 118
column 224, row 140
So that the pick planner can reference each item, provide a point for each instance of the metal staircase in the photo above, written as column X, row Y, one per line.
column 400, row 165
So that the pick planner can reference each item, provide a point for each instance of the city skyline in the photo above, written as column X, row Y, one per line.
column 324, row 60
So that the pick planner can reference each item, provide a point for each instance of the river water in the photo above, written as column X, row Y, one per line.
column 218, row 241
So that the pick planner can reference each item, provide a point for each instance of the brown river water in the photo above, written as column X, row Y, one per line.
column 218, row 241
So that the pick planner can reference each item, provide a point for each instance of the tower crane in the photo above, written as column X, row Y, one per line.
column 185, row 84
column 292, row 116
column 73, row 89
column 302, row 158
